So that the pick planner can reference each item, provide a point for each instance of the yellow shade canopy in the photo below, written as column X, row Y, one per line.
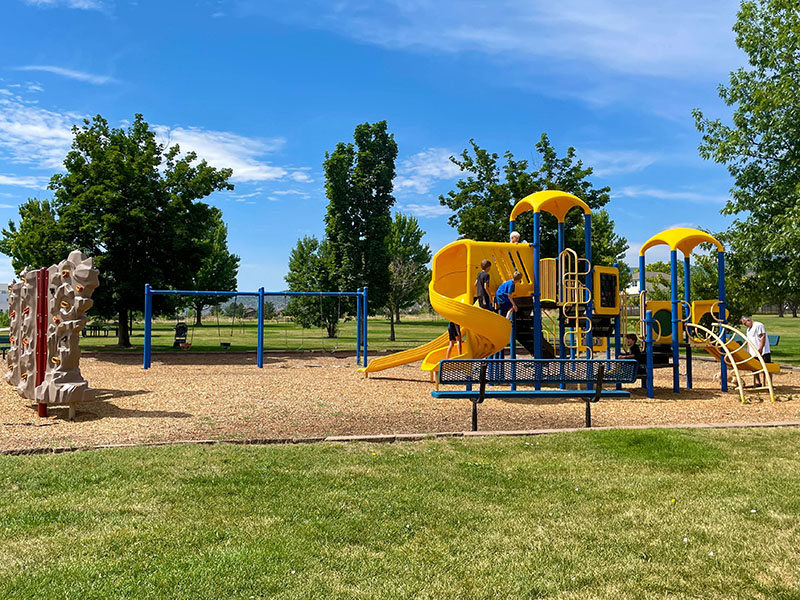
column 554, row 202
column 684, row 239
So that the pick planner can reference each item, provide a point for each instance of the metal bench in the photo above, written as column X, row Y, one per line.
column 5, row 344
column 535, row 372
column 774, row 340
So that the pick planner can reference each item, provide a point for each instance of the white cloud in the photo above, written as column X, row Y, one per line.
column 33, row 135
column 676, row 195
column 418, row 173
column 425, row 211
column 39, row 137
column 80, row 4
column 616, row 161
column 223, row 149
column 69, row 74
column 671, row 38
column 38, row 183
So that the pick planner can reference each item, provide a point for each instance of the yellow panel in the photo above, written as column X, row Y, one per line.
column 555, row 202
column 548, row 271
column 597, row 291
column 684, row 239
column 701, row 308
column 664, row 322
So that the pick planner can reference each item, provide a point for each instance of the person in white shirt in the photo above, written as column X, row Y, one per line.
column 757, row 336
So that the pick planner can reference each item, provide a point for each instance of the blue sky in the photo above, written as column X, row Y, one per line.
column 266, row 87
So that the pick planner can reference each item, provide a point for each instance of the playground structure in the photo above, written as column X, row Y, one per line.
column 360, row 295
column 569, row 308
column 47, row 311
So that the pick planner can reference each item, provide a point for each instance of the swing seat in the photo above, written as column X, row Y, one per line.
column 185, row 345
column 225, row 345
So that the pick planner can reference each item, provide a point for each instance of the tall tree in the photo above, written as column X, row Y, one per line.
column 311, row 270
column 219, row 268
column 761, row 145
column 482, row 201
column 358, row 184
column 132, row 205
column 408, row 269
column 38, row 241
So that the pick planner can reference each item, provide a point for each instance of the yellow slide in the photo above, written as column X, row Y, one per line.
column 744, row 360
column 452, row 287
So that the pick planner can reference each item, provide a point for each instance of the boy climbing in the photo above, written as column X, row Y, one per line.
column 505, row 303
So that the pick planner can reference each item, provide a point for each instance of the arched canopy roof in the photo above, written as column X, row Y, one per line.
column 552, row 201
column 684, row 239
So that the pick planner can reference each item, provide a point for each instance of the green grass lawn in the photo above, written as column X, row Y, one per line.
column 600, row 514
column 412, row 331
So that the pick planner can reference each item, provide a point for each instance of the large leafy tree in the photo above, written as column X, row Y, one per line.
column 131, row 204
column 760, row 145
column 311, row 270
column 409, row 273
column 482, row 201
column 219, row 267
column 358, row 184
column 38, row 240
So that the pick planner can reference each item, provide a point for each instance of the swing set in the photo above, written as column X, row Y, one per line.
column 361, row 317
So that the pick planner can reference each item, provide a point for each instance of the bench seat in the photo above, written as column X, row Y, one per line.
column 578, row 394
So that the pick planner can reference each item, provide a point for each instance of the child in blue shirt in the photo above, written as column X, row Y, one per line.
column 505, row 303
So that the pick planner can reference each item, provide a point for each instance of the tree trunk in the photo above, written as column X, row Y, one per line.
column 124, row 332
column 781, row 309
column 794, row 311
column 130, row 322
column 397, row 314
column 198, row 314
column 391, row 325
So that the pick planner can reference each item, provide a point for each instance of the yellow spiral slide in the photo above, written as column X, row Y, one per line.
column 452, row 288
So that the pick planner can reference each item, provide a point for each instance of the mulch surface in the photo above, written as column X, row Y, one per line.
column 197, row 396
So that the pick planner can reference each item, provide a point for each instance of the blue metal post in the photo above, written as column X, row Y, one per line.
column 365, row 315
column 587, row 251
column 562, row 326
column 617, row 333
column 358, row 328
column 512, row 353
column 673, row 272
column 648, row 321
column 148, row 315
column 510, row 227
column 723, row 370
column 642, row 279
column 537, row 293
column 587, row 243
column 260, row 345
column 687, row 296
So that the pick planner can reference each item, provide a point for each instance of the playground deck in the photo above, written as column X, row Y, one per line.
column 224, row 396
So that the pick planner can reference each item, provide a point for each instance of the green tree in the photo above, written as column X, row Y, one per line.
column 408, row 269
column 482, row 201
column 38, row 241
column 761, row 146
column 269, row 310
column 235, row 309
column 219, row 268
column 132, row 205
column 358, row 184
column 311, row 270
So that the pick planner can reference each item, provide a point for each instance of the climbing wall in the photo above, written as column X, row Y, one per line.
column 51, row 375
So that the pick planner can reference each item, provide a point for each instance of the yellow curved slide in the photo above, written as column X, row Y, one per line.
column 744, row 360
column 452, row 287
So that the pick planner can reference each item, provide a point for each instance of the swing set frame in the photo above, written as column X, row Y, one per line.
column 361, row 315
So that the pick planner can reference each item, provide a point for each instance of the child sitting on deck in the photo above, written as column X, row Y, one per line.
column 634, row 351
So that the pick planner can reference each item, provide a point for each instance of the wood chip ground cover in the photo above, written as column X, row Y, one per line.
column 309, row 395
